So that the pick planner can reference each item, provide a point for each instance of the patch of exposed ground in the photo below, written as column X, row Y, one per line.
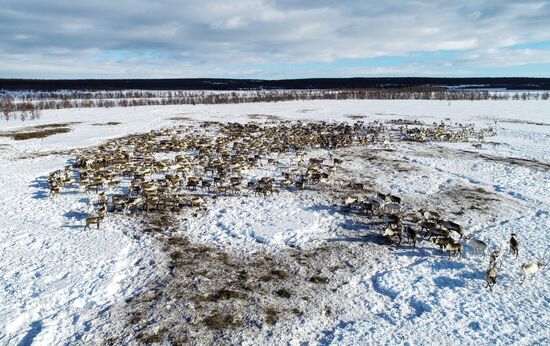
column 533, row 164
column 263, row 117
column 473, row 155
column 34, row 134
column 43, row 154
column 180, row 119
column 306, row 110
column 355, row 116
column 54, row 125
column 109, row 123
column 405, row 122
column 378, row 170
column 463, row 197
column 38, row 131
column 385, row 159
column 210, row 296
column 526, row 122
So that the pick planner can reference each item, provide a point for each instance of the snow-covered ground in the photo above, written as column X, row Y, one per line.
column 57, row 280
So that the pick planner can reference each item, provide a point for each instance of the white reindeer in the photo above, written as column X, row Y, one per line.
column 478, row 246
column 496, row 258
column 530, row 269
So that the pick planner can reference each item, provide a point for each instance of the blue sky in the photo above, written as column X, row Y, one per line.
column 273, row 38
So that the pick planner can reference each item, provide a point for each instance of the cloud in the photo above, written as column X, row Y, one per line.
column 217, row 38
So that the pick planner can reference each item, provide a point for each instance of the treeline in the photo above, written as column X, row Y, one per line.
column 222, row 84
column 22, row 110
column 30, row 103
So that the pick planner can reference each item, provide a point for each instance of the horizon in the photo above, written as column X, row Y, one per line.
column 274, row 40
column 277, row 79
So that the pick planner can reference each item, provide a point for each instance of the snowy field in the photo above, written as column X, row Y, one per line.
column 61, row 284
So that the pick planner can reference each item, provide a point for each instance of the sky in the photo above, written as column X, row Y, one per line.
column 271, row 39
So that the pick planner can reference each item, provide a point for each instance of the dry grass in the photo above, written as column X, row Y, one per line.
column 263, row 116
column 467, row 197
column 180, row 119
column 526, row 122
column 209, row 294
column 38, row 131
column 219, row 321
column 21, row 136
column 109, row 123
column 42, row 154
column 474, row 155
column 54, row 125
column 355, row 116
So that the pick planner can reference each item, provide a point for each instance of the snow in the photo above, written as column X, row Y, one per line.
column 56, row 279
column 275, row 221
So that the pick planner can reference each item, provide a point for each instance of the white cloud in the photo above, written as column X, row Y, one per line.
column 171, row 38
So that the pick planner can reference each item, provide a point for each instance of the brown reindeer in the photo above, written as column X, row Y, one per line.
column 92, row 220
column 514, row 245
column 491, row 278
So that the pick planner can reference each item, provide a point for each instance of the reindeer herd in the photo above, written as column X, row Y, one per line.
column 447, row 235
column 171, row 169
column 129, row 175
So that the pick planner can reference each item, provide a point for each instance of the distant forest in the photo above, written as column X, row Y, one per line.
column 25, row 99
column 283, row 84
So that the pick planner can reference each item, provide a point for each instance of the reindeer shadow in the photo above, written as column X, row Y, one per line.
column 408, row 250
column 372, row 238
column 85, row 200
column 76, row 215
column 73, row 226
column 447, row 282
column 40, row 195
column 41, row 183
column 449, row 265
column 361, row 226
column 35, row 329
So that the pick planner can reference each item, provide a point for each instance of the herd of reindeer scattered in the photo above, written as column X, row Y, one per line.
column 170, row 169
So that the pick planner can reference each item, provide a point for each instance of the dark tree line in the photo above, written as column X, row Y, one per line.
column 29, row 104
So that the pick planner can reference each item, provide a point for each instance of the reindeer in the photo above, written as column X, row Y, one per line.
column 494, row 259
column 367, row 207
column 454, row 247
column 92, row 220
column 392, row 207
column 452, row 226
column 427, row 227
column 478, row 246
column 55, row 190
column 441, row 242
column 393, row 231
column 530, row 269
column 136, row 202
column 491, row 278
column 392, row 219
column 197, row 202
column 350, row 201
column 102, row 211
column 514, row 245
column 411, row 234
column 430, row 215
column 393, row 198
